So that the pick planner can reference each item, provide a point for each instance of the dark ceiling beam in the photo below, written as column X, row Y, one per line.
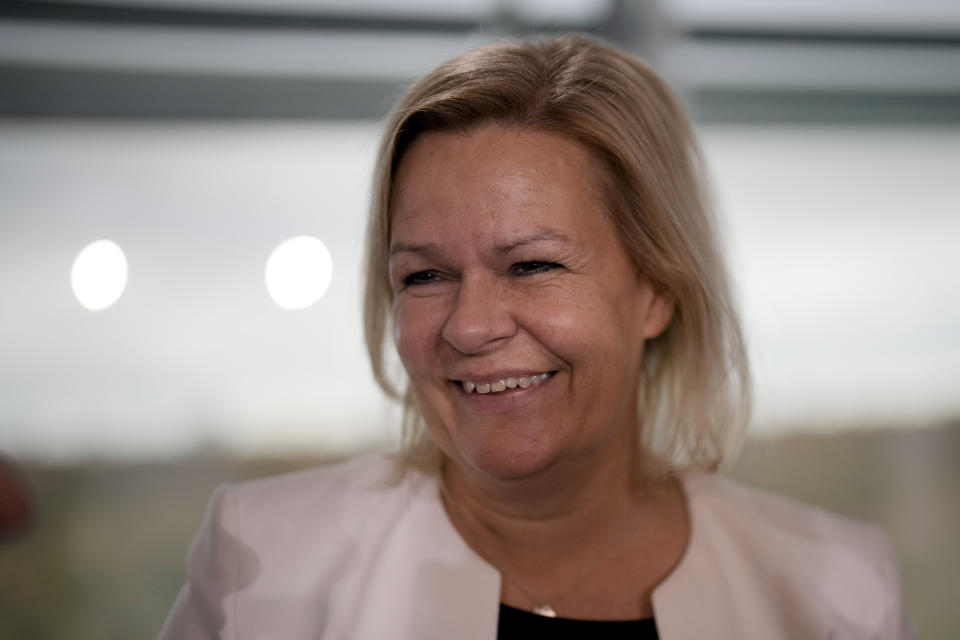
column 77, row 93
column 757, row 106
column 814, row 36
column 71, row 93
column 54, row 90
column 145, row 15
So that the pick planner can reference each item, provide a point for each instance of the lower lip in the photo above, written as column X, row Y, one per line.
column 503, row 400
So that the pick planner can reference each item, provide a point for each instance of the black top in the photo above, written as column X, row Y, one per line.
column 517, row 623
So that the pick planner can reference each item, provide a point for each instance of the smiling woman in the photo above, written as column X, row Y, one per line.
column 542, row 253
column 505, row 266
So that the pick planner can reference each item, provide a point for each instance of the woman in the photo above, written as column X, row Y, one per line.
column 541, row 250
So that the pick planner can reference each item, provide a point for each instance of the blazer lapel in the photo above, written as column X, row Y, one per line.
column 429, row 583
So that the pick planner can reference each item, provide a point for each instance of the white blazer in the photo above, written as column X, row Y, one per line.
column 338, row 552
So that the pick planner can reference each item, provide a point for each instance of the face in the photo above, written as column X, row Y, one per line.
column 518, row 316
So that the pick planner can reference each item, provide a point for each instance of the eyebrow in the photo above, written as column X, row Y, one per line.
column 431, row 250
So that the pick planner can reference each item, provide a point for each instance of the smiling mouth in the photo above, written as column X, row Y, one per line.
column 505, row 384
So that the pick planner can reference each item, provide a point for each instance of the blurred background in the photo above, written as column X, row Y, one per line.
column 183, row 190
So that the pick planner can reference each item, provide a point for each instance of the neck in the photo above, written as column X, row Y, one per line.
column 551, row 509
column 588, row 542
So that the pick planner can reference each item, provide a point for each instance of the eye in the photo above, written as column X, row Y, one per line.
column 420, row 277
column 532, row 267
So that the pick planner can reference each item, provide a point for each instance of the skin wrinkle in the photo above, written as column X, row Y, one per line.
column 572, row 256
column 433, row 250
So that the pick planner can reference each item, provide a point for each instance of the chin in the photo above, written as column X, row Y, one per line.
column 508, row 461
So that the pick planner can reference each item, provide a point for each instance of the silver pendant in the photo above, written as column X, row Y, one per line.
column 545, row 610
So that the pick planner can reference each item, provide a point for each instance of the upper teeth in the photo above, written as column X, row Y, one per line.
column 511, row 382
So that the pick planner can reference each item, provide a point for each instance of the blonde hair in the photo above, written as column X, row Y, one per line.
column 695, row 396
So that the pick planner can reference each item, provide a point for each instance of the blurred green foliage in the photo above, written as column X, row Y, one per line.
column 106, row 556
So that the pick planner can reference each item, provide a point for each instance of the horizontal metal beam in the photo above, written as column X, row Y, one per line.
column 52, row 92
column 817, row 36
column 178, row 16
column 753, row 106
column 68, row 93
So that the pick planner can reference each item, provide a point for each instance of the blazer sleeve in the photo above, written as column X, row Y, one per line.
column 204, row 607
column 897, row 623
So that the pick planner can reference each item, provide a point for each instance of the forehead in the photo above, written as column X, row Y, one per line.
column 497, row 183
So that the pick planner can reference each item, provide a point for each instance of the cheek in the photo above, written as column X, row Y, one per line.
column 575, row 308
column 415, row 332
column 567, row 323
column 591, row 330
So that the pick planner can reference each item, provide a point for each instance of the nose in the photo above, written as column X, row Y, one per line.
column 480, row 317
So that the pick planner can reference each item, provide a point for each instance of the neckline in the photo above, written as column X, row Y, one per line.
column 685, row 482
column 529, row 615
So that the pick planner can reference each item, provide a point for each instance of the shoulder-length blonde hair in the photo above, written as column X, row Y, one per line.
column 695, row 396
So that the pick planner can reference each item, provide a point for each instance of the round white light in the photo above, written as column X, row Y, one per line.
column 298, row 272
column 99, row 275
